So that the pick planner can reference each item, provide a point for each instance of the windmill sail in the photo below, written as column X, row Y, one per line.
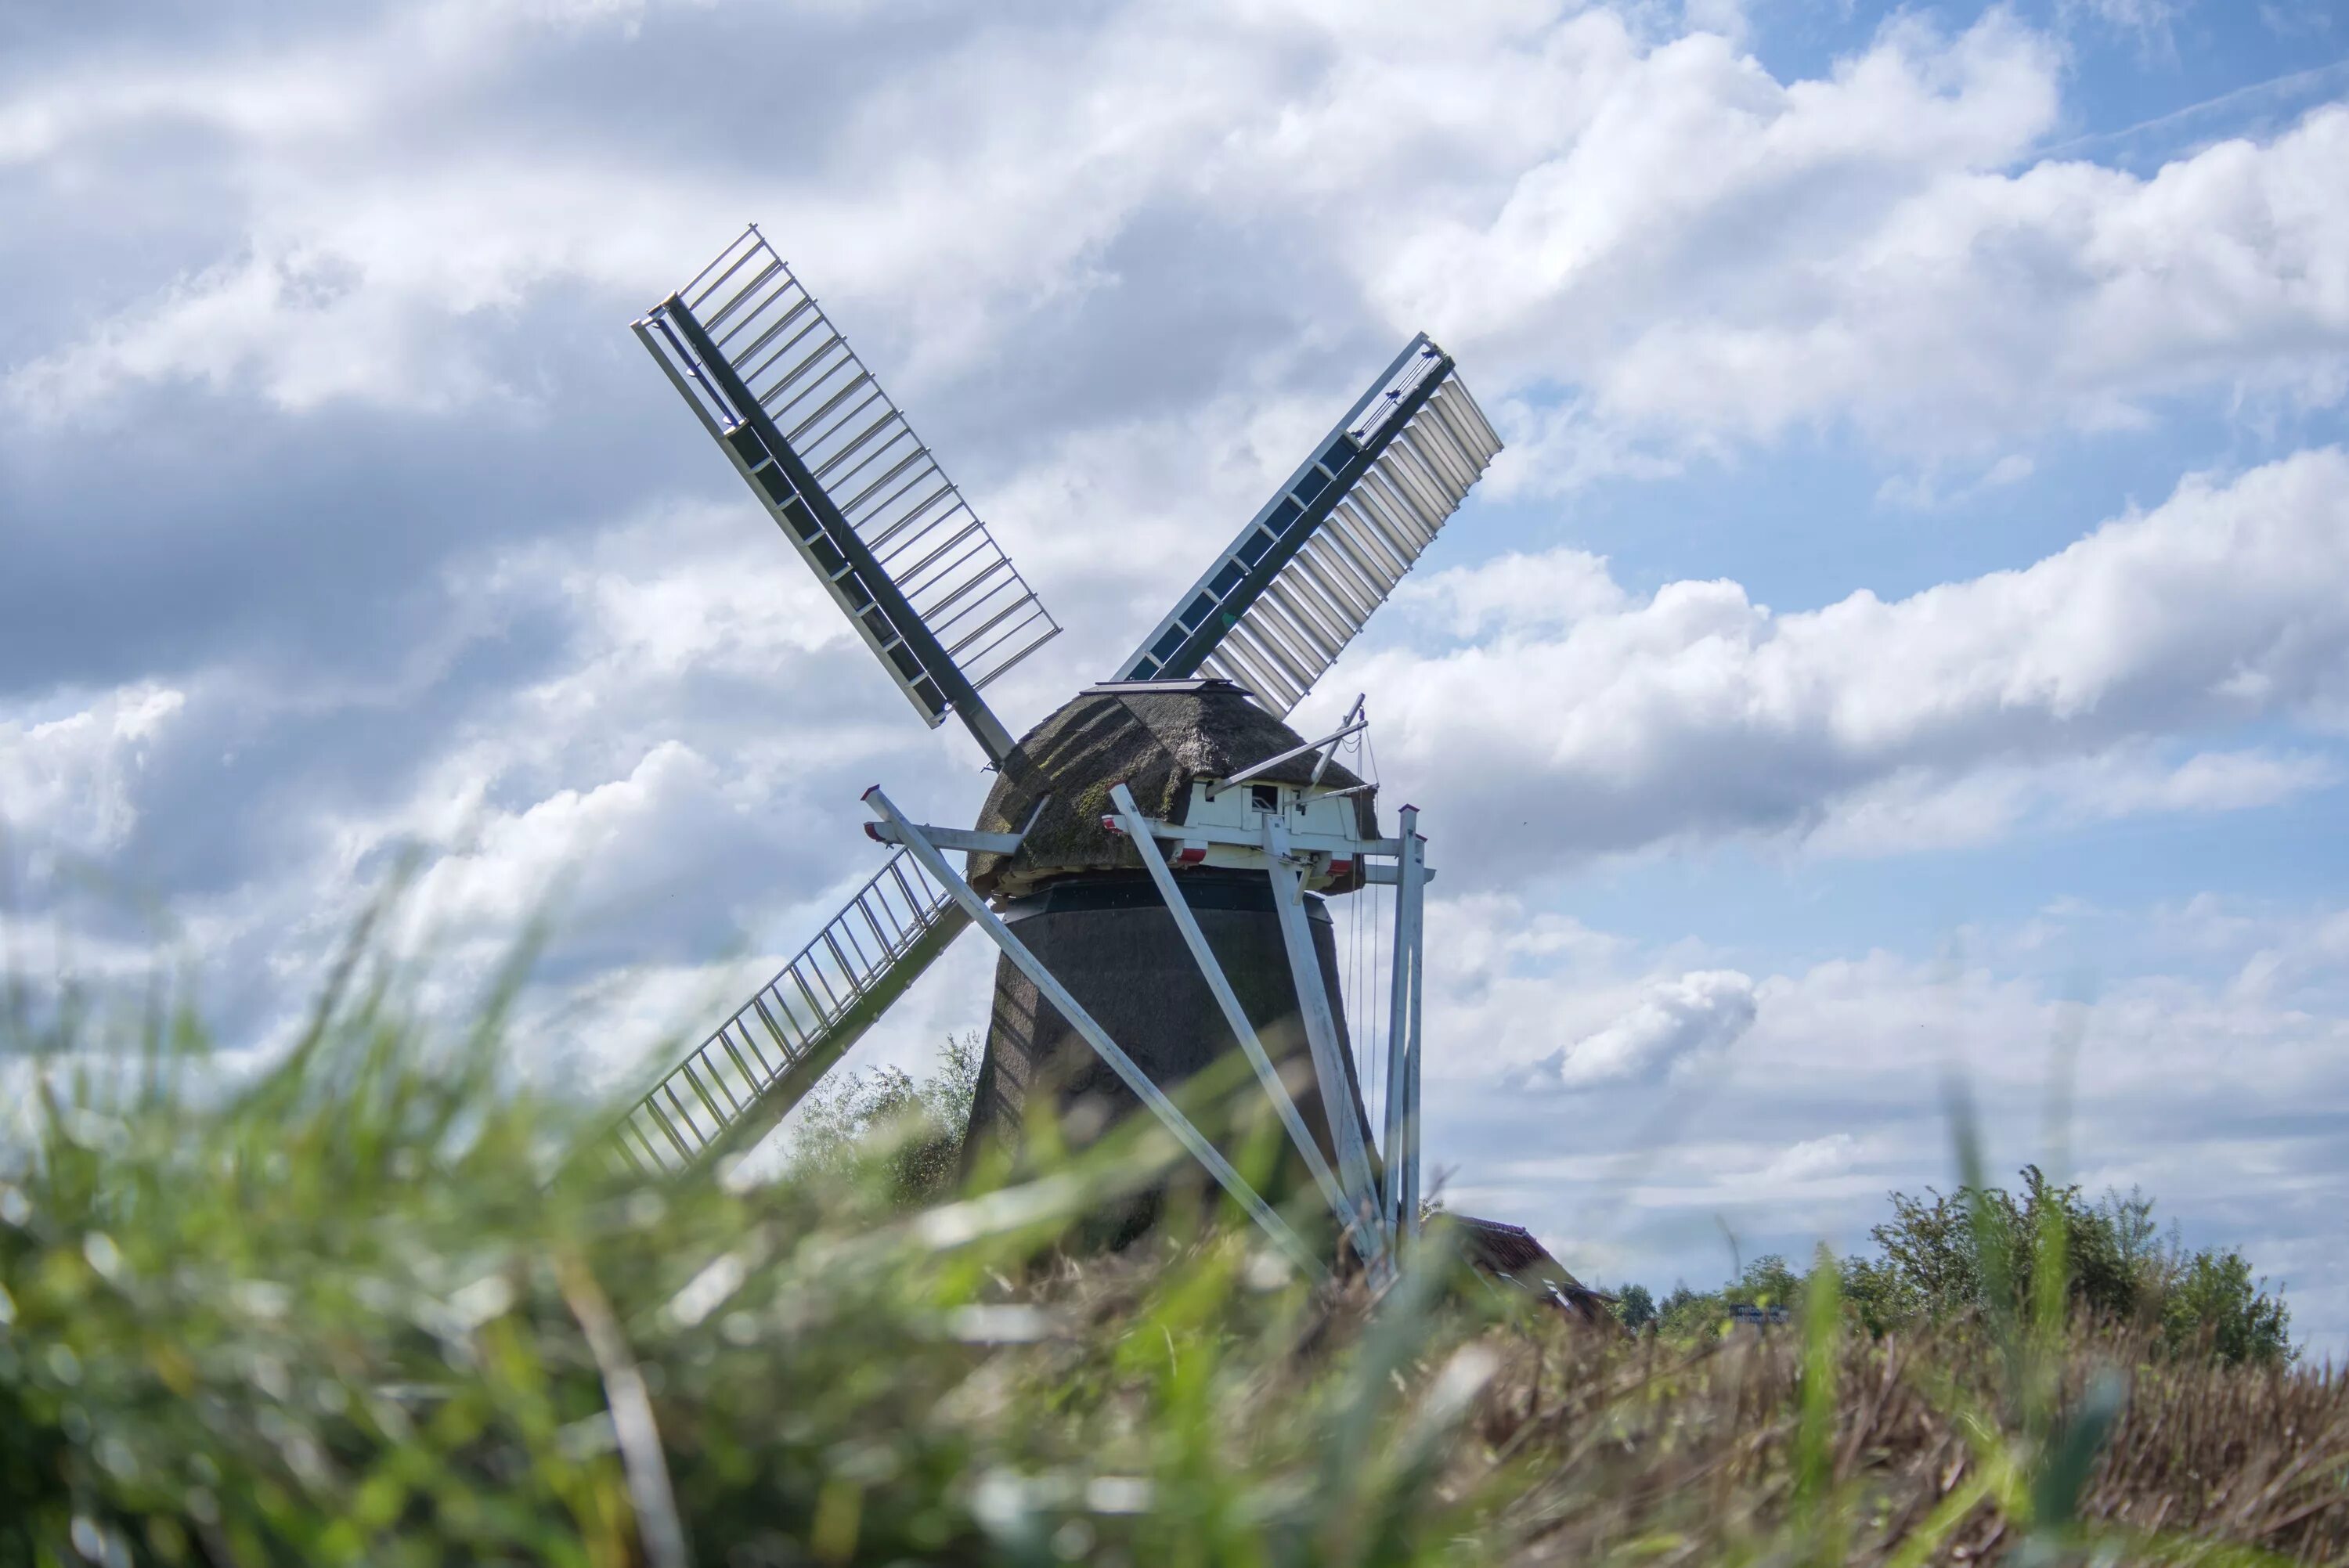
column 1290, row 592
column 854, row 489
column 735, row 1088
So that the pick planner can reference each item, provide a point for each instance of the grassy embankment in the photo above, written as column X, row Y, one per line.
column 364, row 1313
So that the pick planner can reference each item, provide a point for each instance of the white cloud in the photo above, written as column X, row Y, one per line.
column 1519, row 593
column 1696, row 251
column 1813, row 1158
column 1924, row 491
column 614, row 833
column 1930, row 807
column 70, row 783
column 1717, row 256
column 1515, row 980
column 2150, row 22
column 389, row 293
column 1703, row 1013
column 1939, row 717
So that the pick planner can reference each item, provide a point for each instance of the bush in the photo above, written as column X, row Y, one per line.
column 1937, row 1254
column 910, row 1134
column 2120, row 1269
column 2211, row 1307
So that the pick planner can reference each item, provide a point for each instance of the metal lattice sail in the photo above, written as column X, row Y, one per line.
column 763, row 1061
column 1300, row 578
column 853, row 486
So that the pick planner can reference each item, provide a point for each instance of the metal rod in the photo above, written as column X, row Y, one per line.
column 1408, row 895
column 683, row 1111
column 913, row 901
column 1138, row 829
column 882, row 939
column 1057, row 994
column 684, row 372
column 660, row 1120
column 1323, row 761
column 1037, row 815
column 1255, row 769
column 746, row 291
column 1398, row 1030
column 1051, row 630
column 741, row 357
column 739, row 262
column 733, row 1100
column 920, row 509
column 750, row 373
column 782, row 1042
column 848, row 972
column 1322, row 1037
column 824, row 1012
column 751, row 232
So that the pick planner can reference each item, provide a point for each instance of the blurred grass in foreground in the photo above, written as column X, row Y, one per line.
column 370, row 1310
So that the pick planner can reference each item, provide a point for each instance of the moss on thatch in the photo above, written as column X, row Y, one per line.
column 1159, row 743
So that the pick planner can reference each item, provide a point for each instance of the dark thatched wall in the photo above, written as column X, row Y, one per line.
column 1159, row 743
column 1116, row 949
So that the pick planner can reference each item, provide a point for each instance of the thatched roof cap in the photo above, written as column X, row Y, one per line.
column 1506, row 1252
column 1159, row 742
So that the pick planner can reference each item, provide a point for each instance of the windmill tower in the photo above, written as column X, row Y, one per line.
column 1154, row 858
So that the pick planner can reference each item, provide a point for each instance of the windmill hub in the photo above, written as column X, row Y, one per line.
column 1174, row 744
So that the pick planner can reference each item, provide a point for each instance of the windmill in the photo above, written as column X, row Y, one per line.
column 1154, row 859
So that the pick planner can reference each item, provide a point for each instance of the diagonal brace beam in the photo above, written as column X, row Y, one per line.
column 1057, row 994
column 1321, row 1035
column 1137, row 828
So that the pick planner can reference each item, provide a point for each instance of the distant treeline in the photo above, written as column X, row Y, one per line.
column 1941, row 1257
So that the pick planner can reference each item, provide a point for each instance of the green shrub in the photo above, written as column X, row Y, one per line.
column 909, row 1133
column 2210, row 1306
column 1937, row 1256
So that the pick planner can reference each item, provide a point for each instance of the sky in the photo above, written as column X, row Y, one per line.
column 1903, row 649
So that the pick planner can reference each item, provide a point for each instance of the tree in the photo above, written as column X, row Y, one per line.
column 912, row 1131
column 1929, row 1256
column 1878, row 1295
column 1768, row 1281
column 2215, row 1308
column 1685, row 1312
column 2119, row 1267
column 1634, row 1307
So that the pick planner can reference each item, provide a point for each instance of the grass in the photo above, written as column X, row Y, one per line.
column 370, row 1309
